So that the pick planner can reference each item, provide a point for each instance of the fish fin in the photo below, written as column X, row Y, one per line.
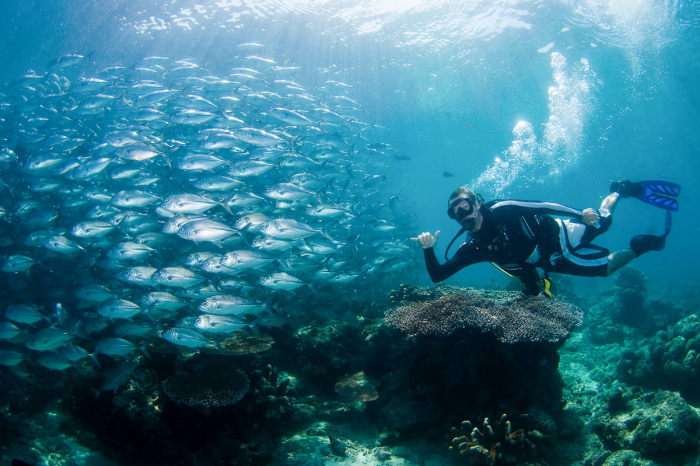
column 224, row 204
column 93, row 356
column 325, row 233
column 253, row 326
column 243, row 236
column 144, row 351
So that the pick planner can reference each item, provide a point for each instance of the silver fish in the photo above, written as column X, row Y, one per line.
column 185, row 337
column 62, row 244
column 216, row 183
column 202, row 162
column 250, row 168
column 288, row 192
column 92, row 229
column 138, row 275
column 289, row 229
column 54, row 361
column 177, row 277
column 8, row 330
column 257, row 137
column 218, row 324
column 114, row 347
column 281, row 281
column 290, row 117
column 134, row 198
column 49, row 339
column 246, row 259
column 230, row 305
column 205, row 230
column 118, row 309
column 188, row 204
column 94, row 292
column 10, row 357
column 17, row 263
column 162, row 300
column 129, row 251
column 24, row 314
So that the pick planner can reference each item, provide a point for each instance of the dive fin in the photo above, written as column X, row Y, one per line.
column 661, row 194
column 645, row 243
column 655, row 192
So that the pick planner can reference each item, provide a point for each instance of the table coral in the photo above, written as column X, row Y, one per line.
column 510, row 316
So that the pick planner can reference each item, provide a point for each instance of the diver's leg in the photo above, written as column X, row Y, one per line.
column 619, row 259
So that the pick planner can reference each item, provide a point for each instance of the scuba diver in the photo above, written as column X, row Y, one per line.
column 528, row 239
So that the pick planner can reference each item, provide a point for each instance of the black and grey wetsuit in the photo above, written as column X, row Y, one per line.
column 528, row 239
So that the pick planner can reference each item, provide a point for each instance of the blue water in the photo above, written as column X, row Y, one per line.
column 540, row 100
column 608, row 90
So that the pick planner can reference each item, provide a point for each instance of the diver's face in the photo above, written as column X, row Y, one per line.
column 466, row 212
column 472, row 222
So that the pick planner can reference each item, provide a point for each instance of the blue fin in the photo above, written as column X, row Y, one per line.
column 660, row 194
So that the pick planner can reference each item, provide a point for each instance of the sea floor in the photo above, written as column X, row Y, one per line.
column 603, row 421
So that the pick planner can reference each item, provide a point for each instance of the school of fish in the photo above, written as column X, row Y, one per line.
column 157, row 201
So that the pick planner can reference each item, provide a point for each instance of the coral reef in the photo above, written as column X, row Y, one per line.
column 659, row 425
column 494, row 442
column 424, row 378
column 631, row 287
column 605, row 402
column 273, row 395
column 209, row 383
column 356, row 387
column 668, row 360
column 510, row 316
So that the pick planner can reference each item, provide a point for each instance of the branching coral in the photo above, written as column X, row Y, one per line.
column 510, row 316
column 492, row 443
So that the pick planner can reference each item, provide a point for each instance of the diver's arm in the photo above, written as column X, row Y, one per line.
column 538, row 208
column 439, row 272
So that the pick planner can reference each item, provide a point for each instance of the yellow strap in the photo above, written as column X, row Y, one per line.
column 547, row 284
column 495, row 265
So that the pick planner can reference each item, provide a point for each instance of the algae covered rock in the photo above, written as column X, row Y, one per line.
column 668, row 360
column 627, row 458
column 658, row 425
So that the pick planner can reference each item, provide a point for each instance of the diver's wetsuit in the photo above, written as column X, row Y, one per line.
column 523, row 239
